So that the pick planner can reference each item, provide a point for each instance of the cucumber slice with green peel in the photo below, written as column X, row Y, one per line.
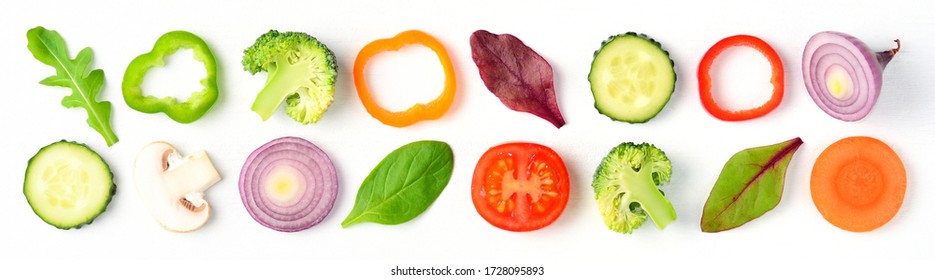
column 68, row 184
column 631, row 77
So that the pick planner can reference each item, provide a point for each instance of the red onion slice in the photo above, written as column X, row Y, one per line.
column 288, row 184
column 842, row 75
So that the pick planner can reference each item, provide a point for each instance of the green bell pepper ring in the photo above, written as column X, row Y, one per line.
column 183, row 112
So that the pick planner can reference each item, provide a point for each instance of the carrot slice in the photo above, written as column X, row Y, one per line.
column 858, row 183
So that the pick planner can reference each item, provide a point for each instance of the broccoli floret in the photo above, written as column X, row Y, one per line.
column 299, row 68
column 626, row 187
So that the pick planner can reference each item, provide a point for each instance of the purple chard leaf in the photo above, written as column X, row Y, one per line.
column 516, row 74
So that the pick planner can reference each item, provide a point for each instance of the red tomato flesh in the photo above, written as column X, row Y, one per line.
column 520, row 186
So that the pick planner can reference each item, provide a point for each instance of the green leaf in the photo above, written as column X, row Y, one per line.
column 403, row 185
column 750, row 185
column 48, row 47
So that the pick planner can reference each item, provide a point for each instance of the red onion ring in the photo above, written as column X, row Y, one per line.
column 842, row 75
column 309, row 192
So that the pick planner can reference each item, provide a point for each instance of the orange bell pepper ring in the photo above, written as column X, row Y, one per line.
column 704, row 78
column 418, row 112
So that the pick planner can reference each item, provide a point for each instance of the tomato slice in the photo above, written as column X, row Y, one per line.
column 520, row 186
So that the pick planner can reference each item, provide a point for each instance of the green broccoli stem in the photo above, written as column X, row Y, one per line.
column 644, row 190
column 284, row 80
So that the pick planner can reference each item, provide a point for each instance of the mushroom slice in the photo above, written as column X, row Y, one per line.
column 173, row 187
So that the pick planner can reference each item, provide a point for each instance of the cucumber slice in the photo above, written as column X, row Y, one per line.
column 631, row 77
column 68, row 185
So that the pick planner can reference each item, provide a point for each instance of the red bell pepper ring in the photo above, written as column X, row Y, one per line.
column 704, row 78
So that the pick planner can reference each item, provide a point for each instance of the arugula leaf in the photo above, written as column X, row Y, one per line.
column 750, row 185
column 48, row 47
column 404, row 184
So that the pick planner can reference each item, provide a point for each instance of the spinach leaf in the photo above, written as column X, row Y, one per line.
column 750, row 185
column 403, row 185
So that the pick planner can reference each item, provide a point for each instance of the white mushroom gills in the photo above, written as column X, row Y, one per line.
column 172, row 187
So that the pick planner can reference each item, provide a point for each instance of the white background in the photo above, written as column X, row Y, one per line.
column 792, row 239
